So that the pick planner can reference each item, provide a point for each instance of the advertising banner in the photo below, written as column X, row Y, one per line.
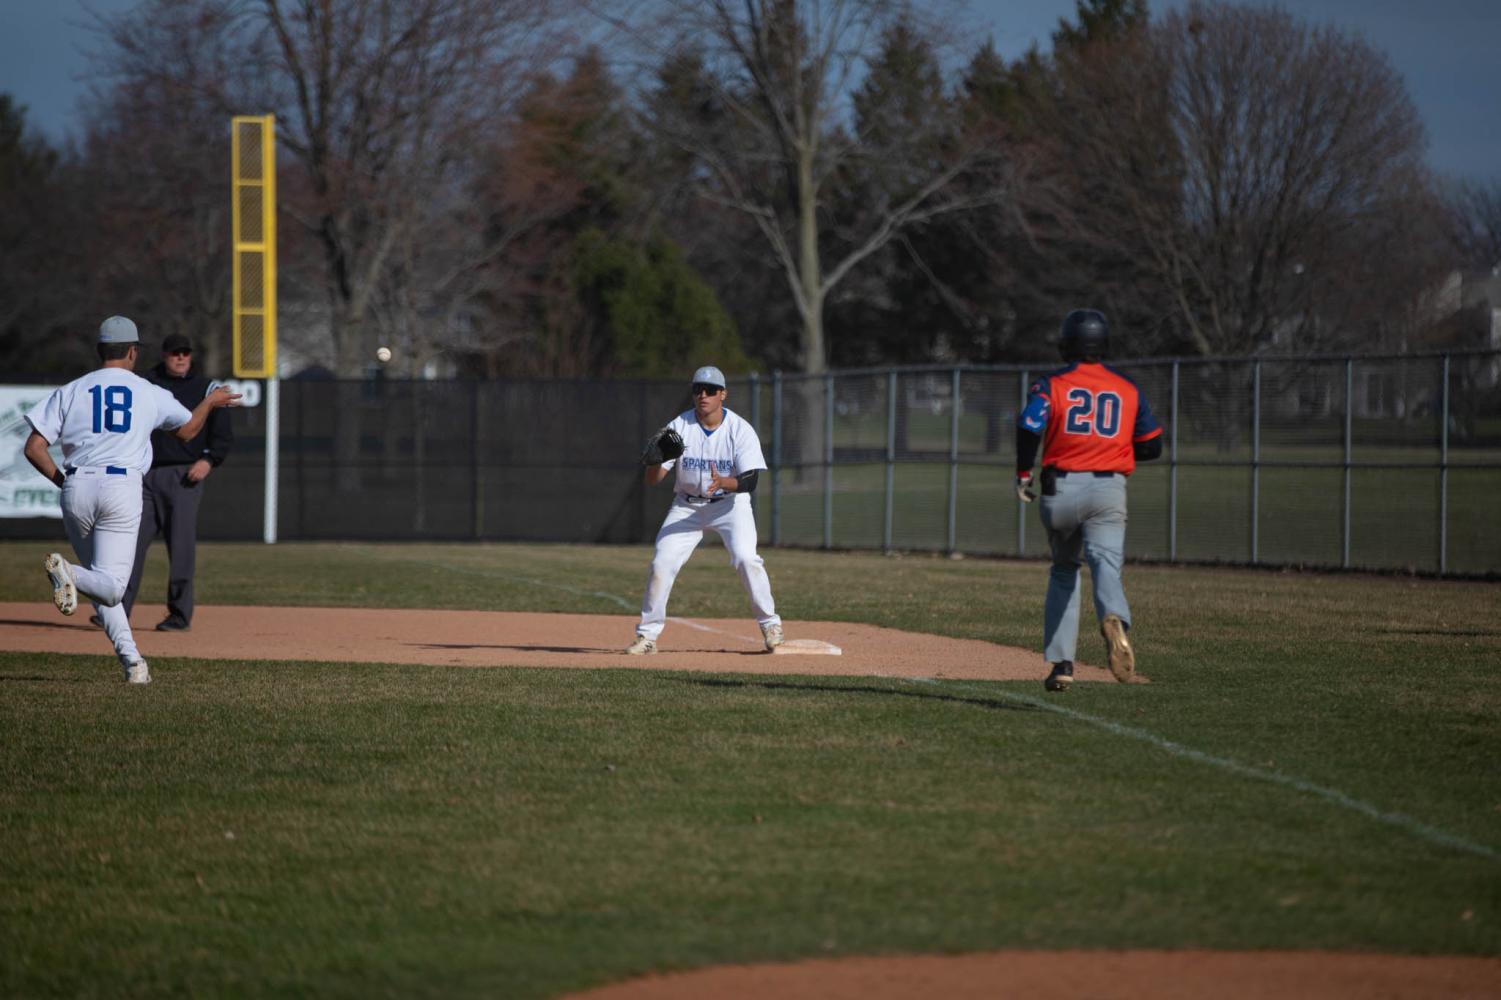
column 23, row 492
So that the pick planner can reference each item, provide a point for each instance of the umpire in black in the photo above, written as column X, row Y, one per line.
column 173, row 488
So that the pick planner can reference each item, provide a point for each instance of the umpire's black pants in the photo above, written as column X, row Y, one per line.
column 169, row 507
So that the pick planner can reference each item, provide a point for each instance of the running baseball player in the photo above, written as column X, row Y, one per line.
column 717, row 468
column 104, row 422
column 1093, row 426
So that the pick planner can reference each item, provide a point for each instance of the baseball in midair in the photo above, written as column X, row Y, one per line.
column 383, row 354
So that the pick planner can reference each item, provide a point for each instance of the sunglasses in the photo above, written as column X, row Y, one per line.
column 180, row 354
column 701, row 389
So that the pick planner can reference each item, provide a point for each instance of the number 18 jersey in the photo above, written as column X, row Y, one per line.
column 1089, row 416
column 106, row 418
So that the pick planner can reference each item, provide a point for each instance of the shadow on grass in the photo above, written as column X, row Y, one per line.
column 994, row 704
column 38, row 679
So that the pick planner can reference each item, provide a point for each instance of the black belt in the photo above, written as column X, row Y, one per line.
column 1080, row 472
column 691, row 498
column 109, row 470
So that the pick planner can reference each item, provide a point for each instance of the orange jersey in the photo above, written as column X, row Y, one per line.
column 1089, row 415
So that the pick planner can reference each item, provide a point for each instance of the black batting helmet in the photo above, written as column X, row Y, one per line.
column 1085, row 334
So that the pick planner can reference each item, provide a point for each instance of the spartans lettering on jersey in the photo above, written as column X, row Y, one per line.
column 723, row 465
column 730, row 449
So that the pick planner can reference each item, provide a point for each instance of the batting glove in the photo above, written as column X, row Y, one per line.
column 1024, row 491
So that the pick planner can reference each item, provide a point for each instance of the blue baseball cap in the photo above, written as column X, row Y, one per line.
column 118, row 330
column 708, row 375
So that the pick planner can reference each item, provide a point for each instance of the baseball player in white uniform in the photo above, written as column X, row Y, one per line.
column 104, row 422
column 715, row 476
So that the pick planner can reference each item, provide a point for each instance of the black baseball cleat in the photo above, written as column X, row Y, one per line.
column 172, row 623
column 1061, row 677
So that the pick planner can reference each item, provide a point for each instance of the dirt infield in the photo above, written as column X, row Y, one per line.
column 475, row 639
column 494, row 638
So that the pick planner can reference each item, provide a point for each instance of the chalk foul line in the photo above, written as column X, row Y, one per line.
column 1416, row 827
column 1333, row 795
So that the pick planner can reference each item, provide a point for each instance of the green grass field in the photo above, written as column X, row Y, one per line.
column 1313, row 766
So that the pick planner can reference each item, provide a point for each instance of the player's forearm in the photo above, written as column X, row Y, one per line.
column 1026, row 449
column 36, row 453
column 189, row 430
column 1145, row 451
column 655, row 474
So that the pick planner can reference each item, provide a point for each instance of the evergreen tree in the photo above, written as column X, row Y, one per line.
column 1099, row 21
column 597, row 286
column 648, row 309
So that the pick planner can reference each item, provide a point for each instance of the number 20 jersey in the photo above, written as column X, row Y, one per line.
column 1089, row 415
column 106, row 418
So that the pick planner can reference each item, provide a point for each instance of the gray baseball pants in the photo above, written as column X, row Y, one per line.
column 169, row 506
column 1086, row 523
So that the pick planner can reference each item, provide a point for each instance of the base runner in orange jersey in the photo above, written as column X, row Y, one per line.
column 1093, row 427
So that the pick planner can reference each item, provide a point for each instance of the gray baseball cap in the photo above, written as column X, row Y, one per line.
column 118, row 330
column 708, row 375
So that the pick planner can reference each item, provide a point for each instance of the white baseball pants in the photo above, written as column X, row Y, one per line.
column 682, row 530
column 102, row 513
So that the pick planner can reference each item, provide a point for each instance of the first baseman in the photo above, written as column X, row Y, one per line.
column 716, row 473
column 104, row 422
column 1093, row 425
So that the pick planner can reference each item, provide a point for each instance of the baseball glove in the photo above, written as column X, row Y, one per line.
column 663, row 446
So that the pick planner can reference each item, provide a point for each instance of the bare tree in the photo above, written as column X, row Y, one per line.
column 1475, row 207
column 1237, row 158
column 154, row 172
column 384, row 102
column 381, row 105
column 779, row 77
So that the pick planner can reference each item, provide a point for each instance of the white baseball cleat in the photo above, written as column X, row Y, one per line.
column 642, row 646
column 773, row 636
column 64, row 591
column 137, row 673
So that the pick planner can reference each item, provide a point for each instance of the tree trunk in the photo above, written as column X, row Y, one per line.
column 806, row 451
column 810, row 269
column 348, row 413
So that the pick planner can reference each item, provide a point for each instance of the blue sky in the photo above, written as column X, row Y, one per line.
column 1449, row 52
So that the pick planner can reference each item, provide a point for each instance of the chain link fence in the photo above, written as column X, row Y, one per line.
column 1387, row 463
column 1369, row 462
